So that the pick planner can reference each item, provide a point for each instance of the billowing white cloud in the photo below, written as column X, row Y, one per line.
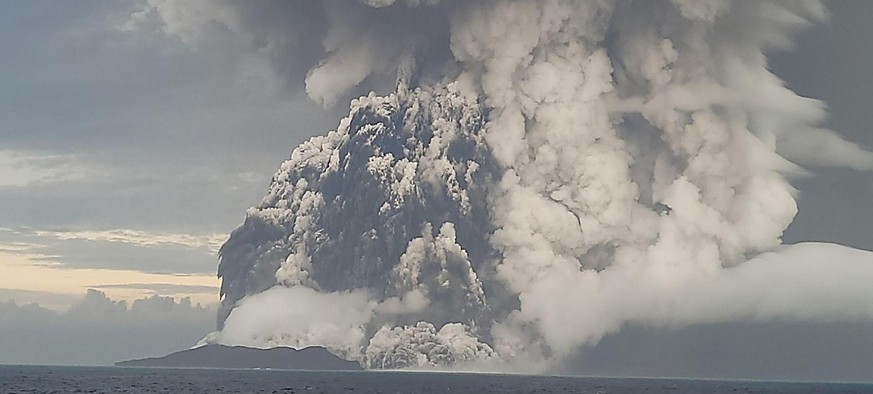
column 299, row 317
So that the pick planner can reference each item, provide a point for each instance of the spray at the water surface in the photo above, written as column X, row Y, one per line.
column 545, row 173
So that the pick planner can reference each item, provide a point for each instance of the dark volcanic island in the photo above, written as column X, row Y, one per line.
column 219, row 356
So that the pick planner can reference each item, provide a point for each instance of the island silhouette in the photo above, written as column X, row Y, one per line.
column 234, row 357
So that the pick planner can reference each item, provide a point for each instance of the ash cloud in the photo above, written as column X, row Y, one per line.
column 543, row 174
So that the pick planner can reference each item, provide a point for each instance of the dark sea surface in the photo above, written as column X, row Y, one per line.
column 39, row 379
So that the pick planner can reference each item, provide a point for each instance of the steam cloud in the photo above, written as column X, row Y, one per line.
column 545, row 173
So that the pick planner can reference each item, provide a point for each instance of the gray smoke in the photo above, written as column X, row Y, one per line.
column 544, row 173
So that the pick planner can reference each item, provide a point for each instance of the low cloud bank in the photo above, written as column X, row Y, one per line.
column 100, row 331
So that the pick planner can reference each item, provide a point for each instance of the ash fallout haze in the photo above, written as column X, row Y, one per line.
column 535, row 186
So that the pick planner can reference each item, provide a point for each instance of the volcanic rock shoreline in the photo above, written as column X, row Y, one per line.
column 240, row 357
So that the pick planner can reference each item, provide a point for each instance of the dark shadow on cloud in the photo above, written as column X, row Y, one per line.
column 780, row 350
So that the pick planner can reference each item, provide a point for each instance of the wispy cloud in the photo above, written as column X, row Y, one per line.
column 212, row 242
column 22, row 168
column 25, row 278
column 18, row 247
column 141, row 238
column 114, row 249
column 166, row 289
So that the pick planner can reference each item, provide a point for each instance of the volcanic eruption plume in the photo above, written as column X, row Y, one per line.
column 544, row 173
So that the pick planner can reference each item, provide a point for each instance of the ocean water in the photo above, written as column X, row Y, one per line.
column 38, row 379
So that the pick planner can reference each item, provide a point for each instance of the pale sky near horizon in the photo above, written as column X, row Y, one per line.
column 126, row 157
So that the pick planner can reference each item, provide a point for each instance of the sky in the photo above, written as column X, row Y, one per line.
column 128, row 156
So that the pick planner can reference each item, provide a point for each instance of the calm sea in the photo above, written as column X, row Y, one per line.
column 34, row 379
